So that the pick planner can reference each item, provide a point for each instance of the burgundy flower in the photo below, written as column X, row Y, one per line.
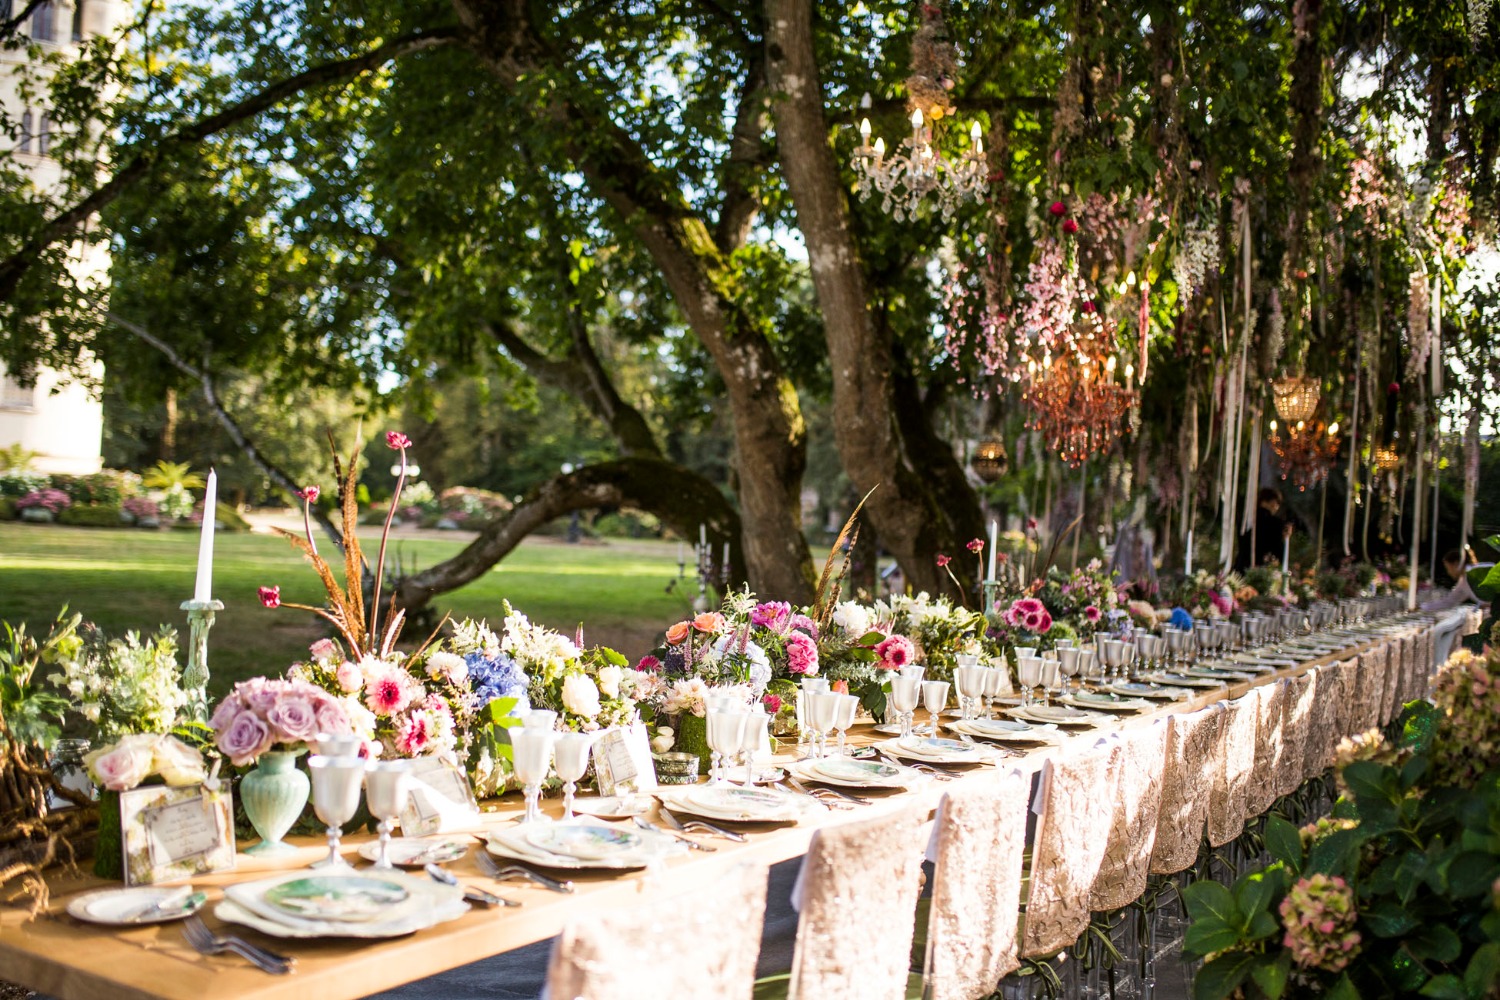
column 943, row 561
column 1088, row 306
column 649, row 664
column 1393, row 388
column 772, row 703
column 397, row 441
column 310, row 494
column 270, row 596
column 1057, row 208
column 976, row 545
column 1070, row 226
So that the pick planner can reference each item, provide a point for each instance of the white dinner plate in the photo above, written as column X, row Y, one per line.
column 514, row 844
column 995, row 729
column 118, row 907
column 424, row 903
column 735, row 804
column 1182, row 681
column 974, row 754
column 584, row 841
column 613, row 806
column 414, row 852
column 1105, row 703
column 1059, row 715
column 1154, row 692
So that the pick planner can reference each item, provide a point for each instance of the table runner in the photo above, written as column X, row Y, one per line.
column 638, row 954
column 976, row 889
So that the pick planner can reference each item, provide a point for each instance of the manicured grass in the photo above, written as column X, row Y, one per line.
column 129, row 579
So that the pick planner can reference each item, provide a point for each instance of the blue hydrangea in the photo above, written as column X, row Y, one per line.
column 1181, row 619
column 497, row 676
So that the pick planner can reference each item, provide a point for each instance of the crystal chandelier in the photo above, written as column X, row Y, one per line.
column 1075, row 399
column 917, row 168
column 1307, row 451
column 1296, row 398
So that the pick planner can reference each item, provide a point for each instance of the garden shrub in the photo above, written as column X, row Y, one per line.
column 17, row 484
column 91, row 516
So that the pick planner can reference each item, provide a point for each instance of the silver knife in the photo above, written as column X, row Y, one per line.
column 646, row 824
column 676, row 824
column 472, row 894
column 182, row 900
column 836, row 792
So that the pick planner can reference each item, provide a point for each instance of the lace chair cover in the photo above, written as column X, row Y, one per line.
column 1426, row 658
column 1192, row 739
column 859, row 907
column 638, row 954
column 1416, row 678
column 1322, row 721
column 1226, row 802
column 1296, row 717
column 1071, row 835
column 1391, row 682
column 1127, row 857
column 1269, row 748
column 976, row 888
column 1368, row 684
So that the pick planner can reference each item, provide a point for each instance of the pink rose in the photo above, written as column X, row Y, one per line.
column 123, row 767
column 323, row 649
column 349, row 677
column 801, row 654
column 246, row 738
column 332, row 719
column 773, row 705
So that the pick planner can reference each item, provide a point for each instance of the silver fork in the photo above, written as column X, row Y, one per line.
column 499, row 872
column 205, row 942
column 646, row 824
column 926, row 769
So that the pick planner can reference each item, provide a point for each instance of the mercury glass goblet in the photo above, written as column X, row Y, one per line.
column 935, row 699
column 337, row 745
column 1067, row 665
column 822, row 713
column 723, row 731
column 531, row 749
column 996, row 683
column 570, row 758
column 335, row 786
column 387, row 785
column 752, row 735
column 848, row 712
column 969, row 682
column 1029, row 673
column 906, row 692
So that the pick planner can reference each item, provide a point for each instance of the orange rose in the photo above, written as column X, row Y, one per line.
column 840, row 687
column 677, row 633
column 709, row 621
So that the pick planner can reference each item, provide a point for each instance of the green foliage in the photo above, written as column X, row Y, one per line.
column 95, row 516
column 30, row 712
column 165, row 475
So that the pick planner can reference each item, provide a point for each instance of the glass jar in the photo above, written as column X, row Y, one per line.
column 67, row 767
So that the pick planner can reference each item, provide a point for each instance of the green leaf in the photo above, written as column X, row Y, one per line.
column 1483, row 972
column 1387, row 918
column 500, row 712
column 1436, row 942
column 871, row 638
column 613, row 657
column 1208, row 899
column 1472, row 873
column 1369, row 781
column 1221, row 977
column 1445, row 987
column 1336, row 853
column 1209, row 935
column 1252, row 894
column 1270, row 974
column 1343, row 989
column 1262, row 925
column 1284, row 843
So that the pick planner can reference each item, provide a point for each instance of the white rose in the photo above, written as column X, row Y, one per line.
column 580, row 695
column 121, row 767
column 451, row 668
column 176, row 762
column 663, row 740
column 609, row 681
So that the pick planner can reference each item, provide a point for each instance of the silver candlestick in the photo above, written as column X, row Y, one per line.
column 195, row 676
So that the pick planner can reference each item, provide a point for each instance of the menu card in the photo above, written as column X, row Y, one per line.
column 170, row 833
column 622, row 760
column 441, row 801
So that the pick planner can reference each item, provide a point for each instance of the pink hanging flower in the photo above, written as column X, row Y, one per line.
column 309, row 493
column 943, row 561
column 1070, row 226
column 1057, row 209
column 396, row 441
column 976, row 545
column 270, row 596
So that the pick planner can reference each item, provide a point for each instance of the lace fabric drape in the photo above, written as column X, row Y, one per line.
column 1391, row 681
column 1296, row 714
column 858, row 910
column 1261, row 791
column 1127, row 857
column 1322, row 722
column 638, row 954
column 1348, row 697
column 1367, row 690
column 1071, row 834
column 1191, row 739
column 976, row 890
column 1226, row 810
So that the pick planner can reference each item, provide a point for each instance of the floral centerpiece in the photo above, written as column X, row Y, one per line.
column 1205, row 594
column 129, row 685
column 1086, row 599
column 938, row 630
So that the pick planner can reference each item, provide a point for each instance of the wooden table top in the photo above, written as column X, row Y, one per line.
column 58, row 955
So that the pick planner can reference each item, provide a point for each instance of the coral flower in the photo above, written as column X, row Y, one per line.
column 397, row 441
column 270, row 596
column 709, row 621
column 943, row 561
column 678, row 632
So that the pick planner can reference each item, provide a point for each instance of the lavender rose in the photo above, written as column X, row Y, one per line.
column 293, row 719
column 245, row 739
column 333, row 719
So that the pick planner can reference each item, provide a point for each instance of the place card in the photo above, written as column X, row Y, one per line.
column 441, row 800
column 622, row 760
column 170, row 833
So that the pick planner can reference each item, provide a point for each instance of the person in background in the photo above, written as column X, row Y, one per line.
column 1272, row 530
column 1457, row 564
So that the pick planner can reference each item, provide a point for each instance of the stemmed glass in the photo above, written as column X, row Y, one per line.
column 330, row 745
column 848, row 712
column 752, row 735
column 822, row 713
column 531, row 747
column 1051, row 678
column 387, row 784
column 905, row 693
column 996, row 683
column 570, row 758
column 809, row 685
column 1029, row 672
column 723, row 731
column 935, row 699
column 1068, row 661
column 969, row 682
column 335, row 782
column 1090, row 667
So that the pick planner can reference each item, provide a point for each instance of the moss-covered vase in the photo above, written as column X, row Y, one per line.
column 692, row 737
column 109, row 858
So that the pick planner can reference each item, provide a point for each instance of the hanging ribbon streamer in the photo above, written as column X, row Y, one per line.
column 1353, row 485
column 1252, row 470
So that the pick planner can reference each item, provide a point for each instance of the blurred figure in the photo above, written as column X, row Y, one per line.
column 1134, row 558
column 1272, row 530
column 1457, row 564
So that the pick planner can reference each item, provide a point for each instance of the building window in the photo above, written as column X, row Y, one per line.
column 43, row 135
column 78, row 21
column 26, row 124
column 44, row 24
column 14, row 395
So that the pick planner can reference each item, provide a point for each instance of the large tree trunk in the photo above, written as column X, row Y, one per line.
column 910, row 518
column 769, row 435
column 648, row 483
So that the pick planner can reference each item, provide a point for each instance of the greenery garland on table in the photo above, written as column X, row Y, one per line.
column 1398, row 892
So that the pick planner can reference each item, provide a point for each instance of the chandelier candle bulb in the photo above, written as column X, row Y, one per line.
column 864, row 132
column 203, row 585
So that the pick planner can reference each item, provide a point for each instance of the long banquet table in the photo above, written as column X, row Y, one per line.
column 57, row 955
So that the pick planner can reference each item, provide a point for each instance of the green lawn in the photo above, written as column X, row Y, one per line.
column 130, row 579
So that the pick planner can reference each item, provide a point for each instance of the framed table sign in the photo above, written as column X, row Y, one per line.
column 171, row 832
column 442, row 800
column 622, row 760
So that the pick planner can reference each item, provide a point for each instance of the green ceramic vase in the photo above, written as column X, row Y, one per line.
column 274, row 793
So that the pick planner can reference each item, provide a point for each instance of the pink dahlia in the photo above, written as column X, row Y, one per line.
column 414, row 734
column 1091, row 613
column 895, row 652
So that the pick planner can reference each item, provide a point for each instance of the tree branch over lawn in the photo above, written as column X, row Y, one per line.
column 60, row 226
column 232, row 426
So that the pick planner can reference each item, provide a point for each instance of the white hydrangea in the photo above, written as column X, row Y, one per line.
column 852, row 618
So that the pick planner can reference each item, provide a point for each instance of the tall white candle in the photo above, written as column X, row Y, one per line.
column 1188, row 557
column 994, row 545
column 725, row 564
column 1286, row 555
column 702, row 535
column 203, row 586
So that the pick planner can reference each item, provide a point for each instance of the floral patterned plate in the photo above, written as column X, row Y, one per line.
column 584, row 841
column 357, row 898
